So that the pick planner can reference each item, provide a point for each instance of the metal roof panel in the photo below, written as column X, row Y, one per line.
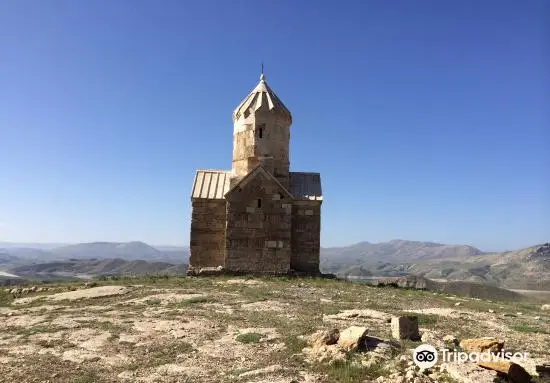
column 306, row 186
column 210, row 184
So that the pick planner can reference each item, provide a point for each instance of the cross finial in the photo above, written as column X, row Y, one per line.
column 262, row 77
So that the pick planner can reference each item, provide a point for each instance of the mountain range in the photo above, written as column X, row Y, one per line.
column 527, row 268
column 129, row 251
column 89, row 260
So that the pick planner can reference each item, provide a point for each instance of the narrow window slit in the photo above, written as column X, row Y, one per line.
column 260, row 128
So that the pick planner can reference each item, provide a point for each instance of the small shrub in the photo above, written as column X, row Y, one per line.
column 250, row 337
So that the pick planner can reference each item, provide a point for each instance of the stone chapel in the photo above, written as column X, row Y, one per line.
column 259, row 217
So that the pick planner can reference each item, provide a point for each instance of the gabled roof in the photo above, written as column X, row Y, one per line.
column 261, row 96
column 210, row 184
column 214, row 184
column 306, row 186
column 253, row 173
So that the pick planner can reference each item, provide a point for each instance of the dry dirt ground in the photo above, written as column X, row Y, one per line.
column 232, row 330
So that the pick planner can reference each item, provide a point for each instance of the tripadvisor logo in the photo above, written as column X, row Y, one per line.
column 426, row 356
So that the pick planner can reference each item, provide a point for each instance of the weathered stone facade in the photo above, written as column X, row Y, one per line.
column 208, row 219
column 306, row 224
column 259, row 217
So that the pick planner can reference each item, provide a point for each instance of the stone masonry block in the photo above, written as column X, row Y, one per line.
column 271, row 244
column 405, row 327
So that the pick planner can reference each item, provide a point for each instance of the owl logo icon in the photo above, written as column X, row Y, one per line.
column 425, row 356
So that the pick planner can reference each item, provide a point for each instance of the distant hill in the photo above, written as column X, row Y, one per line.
column 527, row 268
column 90, row 259
column 124, row 250
column 396, row 251
column 93, row 268
column 94, row 250
column 6, row 258
column 522, row 269
column 13, row 257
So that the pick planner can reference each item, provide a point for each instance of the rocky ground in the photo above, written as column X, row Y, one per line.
column 250, row 330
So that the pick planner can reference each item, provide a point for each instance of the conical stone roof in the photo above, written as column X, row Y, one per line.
column 262, row 96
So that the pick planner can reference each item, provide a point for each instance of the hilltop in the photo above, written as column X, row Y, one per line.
column 245, row 330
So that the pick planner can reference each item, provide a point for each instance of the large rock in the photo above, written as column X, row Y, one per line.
column 482, row 344
column 323, row 347
column 352, row 338
column 545, row 308
column 514, row 372
column 405, row 327
column 325, row 337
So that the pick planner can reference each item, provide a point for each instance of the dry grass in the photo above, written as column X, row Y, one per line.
column 238, row 327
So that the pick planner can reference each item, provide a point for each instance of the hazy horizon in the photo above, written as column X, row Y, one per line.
column 46, row 245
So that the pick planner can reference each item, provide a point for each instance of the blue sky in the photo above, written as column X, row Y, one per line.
column 428, row 120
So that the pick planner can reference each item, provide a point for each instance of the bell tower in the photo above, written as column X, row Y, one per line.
column 261, row 135
column 258, row 217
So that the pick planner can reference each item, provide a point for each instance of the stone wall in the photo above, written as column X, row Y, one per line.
column 306, row 234
column 207, row 248
column 258, row 233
